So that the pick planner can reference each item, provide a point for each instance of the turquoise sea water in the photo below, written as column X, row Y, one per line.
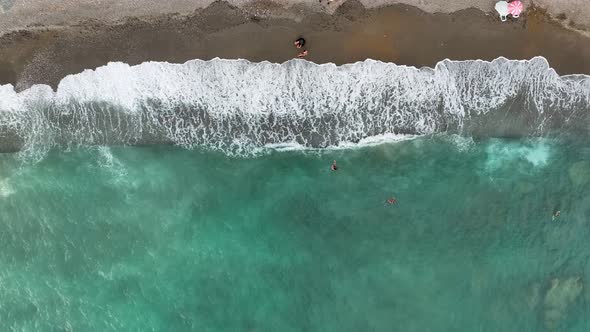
column 167, row 239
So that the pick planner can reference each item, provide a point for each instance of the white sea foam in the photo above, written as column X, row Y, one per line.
column 108, row 162
column 238, row 107
column 365, row 142
column 500, row 154
column 106, row 158
column 375, row 140
column 5, row 188
column 461, row 143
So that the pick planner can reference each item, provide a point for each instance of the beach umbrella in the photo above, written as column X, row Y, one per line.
column 502, row 9
column 515, row 8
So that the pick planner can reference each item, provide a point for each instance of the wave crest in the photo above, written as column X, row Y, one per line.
column 237, row 106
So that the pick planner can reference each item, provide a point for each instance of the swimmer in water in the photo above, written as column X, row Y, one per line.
column 556, row 214
column 334, row 167
column 392, row 201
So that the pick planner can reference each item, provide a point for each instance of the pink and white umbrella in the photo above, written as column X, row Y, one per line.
column 515, row 8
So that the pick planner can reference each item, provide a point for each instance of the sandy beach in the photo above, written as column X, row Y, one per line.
column 394, row 33
column 20, row 14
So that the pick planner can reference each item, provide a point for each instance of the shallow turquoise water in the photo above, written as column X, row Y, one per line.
column 166, row 239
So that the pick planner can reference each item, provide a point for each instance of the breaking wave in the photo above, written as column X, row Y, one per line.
column 239, row 107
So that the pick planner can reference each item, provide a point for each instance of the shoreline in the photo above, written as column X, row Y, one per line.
column 399, row 33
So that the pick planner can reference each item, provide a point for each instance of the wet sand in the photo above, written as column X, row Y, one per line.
column 397, row 33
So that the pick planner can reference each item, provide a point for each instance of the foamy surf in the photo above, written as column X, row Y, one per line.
column 365, row 142
column 500, row 154
column 5, row 188
column 239, row 107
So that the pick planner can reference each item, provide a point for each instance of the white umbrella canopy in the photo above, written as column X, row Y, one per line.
column 502, row 9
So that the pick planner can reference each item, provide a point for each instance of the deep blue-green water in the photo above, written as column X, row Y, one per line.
column 167, row 239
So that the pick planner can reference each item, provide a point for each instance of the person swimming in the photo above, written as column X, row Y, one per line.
column 334, row 167
column 392, row 201
column 556, row 215
column 302, row 54
column 299, row 43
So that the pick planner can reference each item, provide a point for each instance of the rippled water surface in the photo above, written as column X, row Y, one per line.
column 167, row 239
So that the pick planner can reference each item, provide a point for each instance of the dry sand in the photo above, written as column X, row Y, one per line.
column 395, row 33
column 18, row 14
